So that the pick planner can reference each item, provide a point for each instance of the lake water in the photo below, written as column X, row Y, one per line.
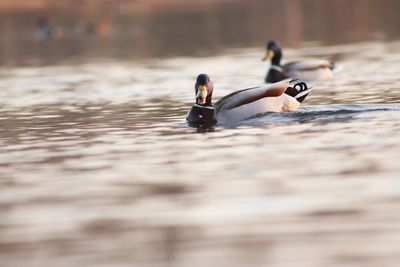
column 99, row 168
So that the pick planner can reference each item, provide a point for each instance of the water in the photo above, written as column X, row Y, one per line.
column 155, row 28
column 99, row 168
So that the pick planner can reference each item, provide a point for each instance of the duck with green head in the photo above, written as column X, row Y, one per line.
column 243, row 104
column 308, row 70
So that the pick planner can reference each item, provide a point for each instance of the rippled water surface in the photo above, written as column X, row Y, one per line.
column 98, row 167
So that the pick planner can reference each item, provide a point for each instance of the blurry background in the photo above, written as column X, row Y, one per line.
column 99, row 169
column 139, row 29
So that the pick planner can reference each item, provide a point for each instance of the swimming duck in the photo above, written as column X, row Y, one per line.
column 246, row 103
column 48, row 30
column 316, row 69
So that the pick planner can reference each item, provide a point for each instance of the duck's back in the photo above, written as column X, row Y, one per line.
column 247, row 103
column 316, row 69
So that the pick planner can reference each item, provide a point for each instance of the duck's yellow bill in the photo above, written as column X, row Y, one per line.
column 269, row 54
column 202, row 94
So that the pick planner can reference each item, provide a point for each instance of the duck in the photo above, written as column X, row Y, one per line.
column 47, row 30
column 308, row 70
column 282, row 96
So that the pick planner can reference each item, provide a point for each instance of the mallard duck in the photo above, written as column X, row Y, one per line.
column 246, row 103
column 48, row 30
column 315, row 69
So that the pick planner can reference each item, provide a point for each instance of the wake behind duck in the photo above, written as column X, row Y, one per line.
column 244, row 104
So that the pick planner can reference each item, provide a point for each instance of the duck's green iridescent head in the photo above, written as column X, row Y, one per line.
column 273, row 53
column 204, row 88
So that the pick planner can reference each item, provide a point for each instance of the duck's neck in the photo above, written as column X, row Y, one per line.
column 208, row 102
column 276, row 67
column 276, row 60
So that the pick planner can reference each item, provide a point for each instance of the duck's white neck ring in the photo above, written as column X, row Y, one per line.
column 207, row 107
column 276, row 67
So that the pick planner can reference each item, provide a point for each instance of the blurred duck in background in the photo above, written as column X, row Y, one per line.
column 308, row 70
column 48, row 30
column 243, row 104
column 99, row 27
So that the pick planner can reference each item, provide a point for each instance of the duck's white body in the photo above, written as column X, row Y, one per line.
column 238, row 105
column 317, row 69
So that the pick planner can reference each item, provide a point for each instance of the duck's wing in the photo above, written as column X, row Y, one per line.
column 307, row 65
column 249, row 95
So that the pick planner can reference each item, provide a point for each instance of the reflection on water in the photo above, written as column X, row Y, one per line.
column 98, row 167
column 142, row 29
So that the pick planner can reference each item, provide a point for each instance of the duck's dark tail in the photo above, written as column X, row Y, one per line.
column 299, row 90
